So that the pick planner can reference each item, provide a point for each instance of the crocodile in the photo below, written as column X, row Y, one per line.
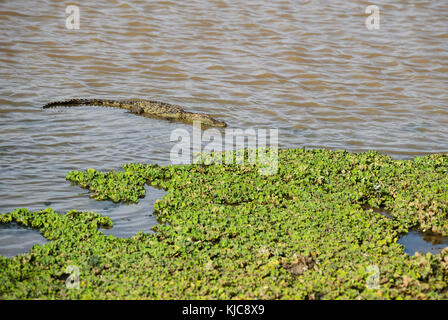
column 144, row 107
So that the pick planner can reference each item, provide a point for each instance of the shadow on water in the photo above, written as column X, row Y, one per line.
column 415, row 240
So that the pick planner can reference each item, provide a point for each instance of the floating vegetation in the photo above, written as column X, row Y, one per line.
column 228, row 232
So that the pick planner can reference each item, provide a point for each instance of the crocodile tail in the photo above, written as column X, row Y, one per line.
column 80, row 102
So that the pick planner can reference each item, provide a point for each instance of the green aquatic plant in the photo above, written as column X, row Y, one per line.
column 227, row 232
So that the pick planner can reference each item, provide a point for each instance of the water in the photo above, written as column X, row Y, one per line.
column 415, row 240
column 384, row 212
column 15, row 239
column 423, row 242
column 309, row 68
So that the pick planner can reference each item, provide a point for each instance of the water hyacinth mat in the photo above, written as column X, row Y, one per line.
column 312, row 230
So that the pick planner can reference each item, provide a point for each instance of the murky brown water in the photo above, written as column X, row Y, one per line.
column 309, row 68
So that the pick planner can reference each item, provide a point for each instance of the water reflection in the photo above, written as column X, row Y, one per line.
column 423, row 242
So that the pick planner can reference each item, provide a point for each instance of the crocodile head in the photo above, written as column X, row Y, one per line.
column 206, row 120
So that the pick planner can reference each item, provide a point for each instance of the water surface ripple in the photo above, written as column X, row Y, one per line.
column 307, row 67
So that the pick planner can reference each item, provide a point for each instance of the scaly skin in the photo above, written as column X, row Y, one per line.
column 144, row 108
